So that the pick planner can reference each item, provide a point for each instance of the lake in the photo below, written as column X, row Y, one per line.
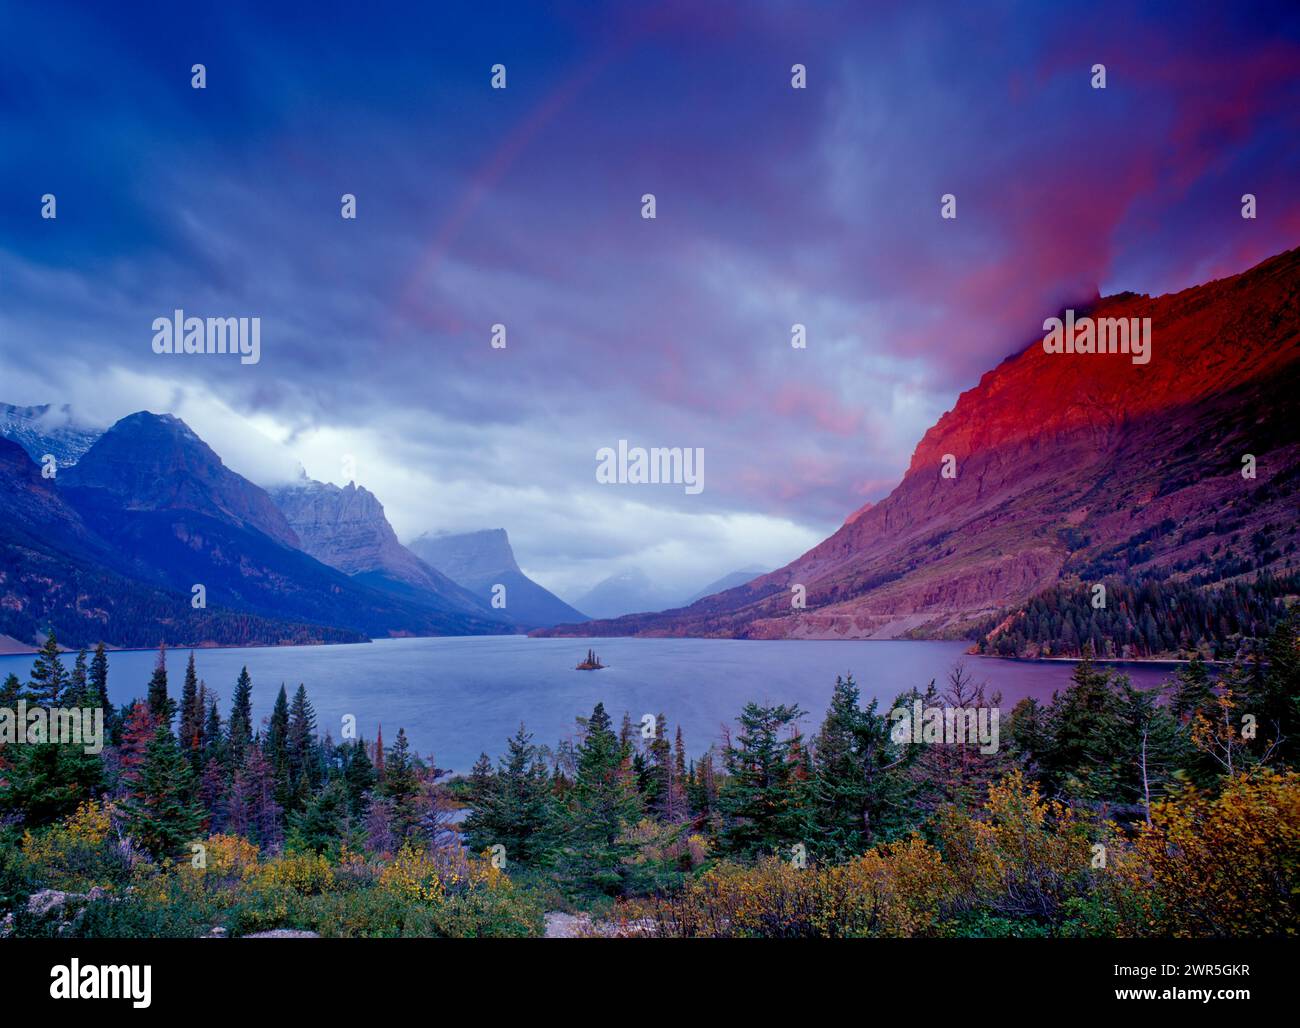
column 456, row 697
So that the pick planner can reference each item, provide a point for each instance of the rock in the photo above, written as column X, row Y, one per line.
column 284, row 933
column 47, row 901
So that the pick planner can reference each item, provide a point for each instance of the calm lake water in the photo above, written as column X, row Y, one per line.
column 457, row 697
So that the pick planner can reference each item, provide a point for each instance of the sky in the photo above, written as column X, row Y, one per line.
column 522, row 206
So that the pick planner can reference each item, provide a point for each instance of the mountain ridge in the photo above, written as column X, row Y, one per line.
column 1060, row 460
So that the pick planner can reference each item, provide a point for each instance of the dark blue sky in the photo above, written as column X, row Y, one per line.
column 522, row 206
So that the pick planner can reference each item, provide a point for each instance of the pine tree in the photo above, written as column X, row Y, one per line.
column 859, row 783
column 401, row 787
column 160, row 705
column 191, row 724
column 277, row 748
column 49, row 678
column 322, row 825
column 1193, row 691
column 512, row 807
column 1080, row 719
column 359, row 776
column 602, row 805
column 160, row 816
column 761, row 802
column 679, row 806
column 240, row 729
column 957, row 771
column 658, row 775
column 214, row 743
column 78, row 682
column 305, row 770
column 137, row 730
column 99, row 671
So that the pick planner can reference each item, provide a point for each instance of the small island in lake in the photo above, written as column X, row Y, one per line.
column 592, row 663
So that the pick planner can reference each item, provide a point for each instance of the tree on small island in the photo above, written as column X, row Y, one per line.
column 592, row 663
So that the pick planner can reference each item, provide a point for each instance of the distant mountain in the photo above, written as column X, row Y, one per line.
column 724, row 583
column 626, row 592
column 177, row 516
column 347, row 529
column 481, row 560
column 1069, row 467
column 154, row 462
column 55, row 572
column 47, row 429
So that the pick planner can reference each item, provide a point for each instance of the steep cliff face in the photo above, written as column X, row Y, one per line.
column 467, row 556
column 1065, row 465
column 347, row 529
column 482, row 561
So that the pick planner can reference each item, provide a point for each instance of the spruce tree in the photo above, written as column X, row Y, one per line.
column 99, row 670
column 761, row 804
column 512, row 807
column 602, row 805
column 78, row 682
column 859, row 786
column 49, row 678
column 401, row 787
column 160, row 815
column 191, row 723
column 359, row 776
column 302, row 750
column 240, row 729
column 161, row 706
column 277, row 747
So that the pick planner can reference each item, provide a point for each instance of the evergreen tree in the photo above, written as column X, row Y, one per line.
column 49, row 677
column 1081, row 718
column 658, row 778
column 302, row 751
column 214, row 743
column 401, row 788
column 1027, row 735
column 859, row 786
column 322, row 826
column 98, row 677
column 240, row 729
column 137, row 730
column 277, row 748
column 191, row 724
column 160, row 816
column 602, row 805
column 512, row 808
column 1193, row 691
column 760, row 803
column 160, row 705
column 679, row 806
column 359, row 777
column 78, row 682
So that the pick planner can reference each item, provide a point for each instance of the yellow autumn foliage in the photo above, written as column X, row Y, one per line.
column 303, row 873
column 1227, row 865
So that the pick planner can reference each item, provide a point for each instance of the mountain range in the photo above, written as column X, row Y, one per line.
column 1061, row 467
column 113, row 548
column 482, row 561
column 47, row 429
column 1055, row 469
column 112, row 543
column 632, row 590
